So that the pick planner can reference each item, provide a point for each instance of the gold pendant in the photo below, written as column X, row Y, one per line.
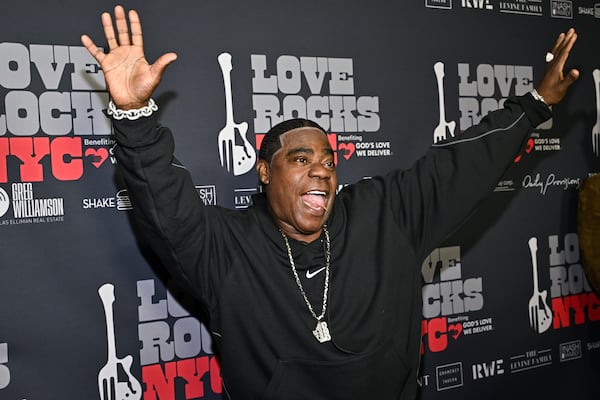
column 321, row 332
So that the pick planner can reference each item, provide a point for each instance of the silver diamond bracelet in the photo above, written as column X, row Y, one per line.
column 134, row 114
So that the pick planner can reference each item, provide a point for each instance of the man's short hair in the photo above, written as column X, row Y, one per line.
column 271, row 143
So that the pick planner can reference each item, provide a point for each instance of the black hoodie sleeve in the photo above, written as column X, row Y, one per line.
column 436, row 195
column 169, row 214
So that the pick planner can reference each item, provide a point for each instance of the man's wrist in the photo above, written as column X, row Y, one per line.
column 131, row 114
column 538, row 96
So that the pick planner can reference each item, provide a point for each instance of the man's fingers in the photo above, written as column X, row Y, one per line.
column 557, row 44
column 136, row 29
column 563, row 47
column 163, row 62
column 92, row 48
column 109, row 32
column 572, row 76
column 122, row 28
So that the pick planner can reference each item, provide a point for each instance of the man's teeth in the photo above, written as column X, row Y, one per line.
column 316, row 192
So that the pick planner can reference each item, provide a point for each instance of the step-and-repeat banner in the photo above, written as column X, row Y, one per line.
column 86, row 311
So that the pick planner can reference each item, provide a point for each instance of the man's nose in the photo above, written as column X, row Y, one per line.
column 319, row 170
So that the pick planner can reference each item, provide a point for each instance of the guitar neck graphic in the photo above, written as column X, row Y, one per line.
column 109, row 386
column 439, row 132
column 596, row 128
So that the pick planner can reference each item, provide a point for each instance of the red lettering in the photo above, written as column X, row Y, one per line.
column 216, row 383
column 159, row 379
column 580, row 307
column 30, row 151
column 66, row 159
column 3, row 163
column 423, row 334
column 435, row 331
column 192, row 370
column 159, row 383
column 593, row 307
column 67, row 164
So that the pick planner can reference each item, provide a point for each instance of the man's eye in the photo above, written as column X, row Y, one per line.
column 330, row 164
column 301, row 160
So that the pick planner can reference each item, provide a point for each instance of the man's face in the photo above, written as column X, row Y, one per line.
column 300, row 183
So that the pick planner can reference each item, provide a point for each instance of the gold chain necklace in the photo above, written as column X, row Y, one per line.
column 321, row 331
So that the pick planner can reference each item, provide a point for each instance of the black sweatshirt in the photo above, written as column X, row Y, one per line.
column 381, row 229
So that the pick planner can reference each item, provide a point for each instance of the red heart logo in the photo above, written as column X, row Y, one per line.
column 455, row 330
column 98, row 156
column 528, row 149
column 347, row 148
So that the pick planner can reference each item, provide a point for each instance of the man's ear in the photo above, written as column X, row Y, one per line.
column 264, row 173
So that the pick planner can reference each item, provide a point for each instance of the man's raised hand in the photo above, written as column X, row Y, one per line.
column 130, row 79
column 554, row 83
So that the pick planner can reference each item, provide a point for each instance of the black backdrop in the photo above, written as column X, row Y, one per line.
column 64, row 221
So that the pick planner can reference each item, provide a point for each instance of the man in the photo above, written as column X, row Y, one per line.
column 310, row 295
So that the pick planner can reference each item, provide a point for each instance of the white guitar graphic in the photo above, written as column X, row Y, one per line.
column 540, row 315
column 108, row 378
column 596, row 127
column 439, row 132
column 237, row 157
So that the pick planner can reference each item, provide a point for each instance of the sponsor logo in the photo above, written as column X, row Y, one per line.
column 478, row 92
column 591, row 11
column 123, row 201
column 4, row 202
column 321, row 89
column 571, row 300
column 525, row 7
column 445, row 4
column 28, row 209
column 174, row 346
column 545, row 143
column 175, row 349
column 477, row 4
column 593, row 345
column 446, row 299
column 570, row 351
column 477, row 326
column 488, row 369
column 44, row 124
column 119, row 201
column 507, row 185
column 280, row 96
column 530, row 360
column 366, row 149
column 449, row 376
column 243, row 197
column 4, row 371
column 538, row 144
column 561, row 9
column 208, row 194
column 551, row 181
column 318, row 88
